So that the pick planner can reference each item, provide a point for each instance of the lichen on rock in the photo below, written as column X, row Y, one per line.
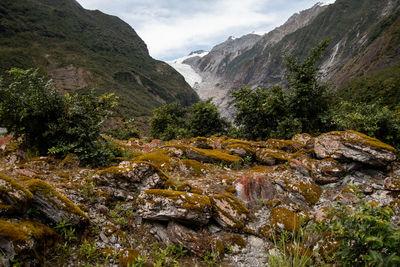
column 229, row 212
column 164, row 205
column 14, row 197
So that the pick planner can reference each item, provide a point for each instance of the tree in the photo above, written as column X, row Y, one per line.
column 32, row 108
column 168, row 122
column 205, row 119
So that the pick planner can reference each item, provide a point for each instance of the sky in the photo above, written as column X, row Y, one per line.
column 174, row 28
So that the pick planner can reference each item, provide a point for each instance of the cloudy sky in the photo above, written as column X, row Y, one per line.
column 174, row 28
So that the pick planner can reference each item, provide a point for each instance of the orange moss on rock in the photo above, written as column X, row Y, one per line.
column 128, row 256
column 159, row 159
column 285, row 219
column 14, row 197
column 194, row 167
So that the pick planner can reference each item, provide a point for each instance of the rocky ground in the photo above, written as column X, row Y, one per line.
column 194, row 202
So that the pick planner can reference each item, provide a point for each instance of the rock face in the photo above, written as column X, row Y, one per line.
column 54, row 207
column 354, row 146
column 254, row 191
column 229, row 212
column 167, row 205
column 130, row 177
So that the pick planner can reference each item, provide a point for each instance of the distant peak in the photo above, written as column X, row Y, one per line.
column 326, row 2
column 197, row 52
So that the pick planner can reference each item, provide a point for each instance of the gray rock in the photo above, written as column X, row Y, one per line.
column 164, row 205
column 354, row 146
column 229, row 212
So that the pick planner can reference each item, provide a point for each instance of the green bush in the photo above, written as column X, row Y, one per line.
column 366, row 235
column 49, row 122
column 372, row 119
column 274, row 113
column 201, row 119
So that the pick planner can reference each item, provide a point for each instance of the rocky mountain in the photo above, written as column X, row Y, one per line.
column 80, row 48
column 364, row 39
column 187, row 200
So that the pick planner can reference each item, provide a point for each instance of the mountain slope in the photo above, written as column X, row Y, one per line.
column 364, row 39
column 81, row 49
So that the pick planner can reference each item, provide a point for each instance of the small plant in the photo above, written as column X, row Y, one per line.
column 168, row 256
column 211, row 258
column 66, row 230
column 88, row 250
column 365, row 234
column 140, row 261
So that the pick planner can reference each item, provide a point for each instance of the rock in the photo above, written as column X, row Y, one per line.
column 128, row 256
column 200, row 142
column 271, row 156
column 327, row 171
column 285, row 219
column 193, row 167
column 131, row 177
column 305, row 139
column 203, row 155
column 241, row 150
column 193, row 241
column 392, row 183
column 24, row 238
column 70, row 161
column 252, row 190
column 164, row 205
column 285, row 145
column 14, row 197
column 53, row 207
column 229, row 212
column 355, row 146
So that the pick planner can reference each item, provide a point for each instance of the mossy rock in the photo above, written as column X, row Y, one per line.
column 70, row 161
column 392, row 183
column 285, row 145
column 285, row 219
column 200, row 142
column 310, row 192
column 128, row 256
column 14, row 197
column 193, row 167
column 229, row 212
column 54, row 207
column 354, row 146
column 159, row 159
column 25, row 238
column 230, row 142
column 203, row 155
column 164, row 205
column 271, row 156
column 305, row 139
column 132, row 176
column 241, row 150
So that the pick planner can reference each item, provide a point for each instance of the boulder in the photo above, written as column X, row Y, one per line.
column 23, row 237
column 253, row 190
column 327, row 171
column 354, row 146
column 285, row 145
column 195, row 242
column 164, row 205
column 203, row 155
column 305, row 139
column 53, row 207
column 272, row 156
column 229, row 212
column 285, row 219
column 131, row 176
column 241, row 150
column 193, row 167
column 14, row 197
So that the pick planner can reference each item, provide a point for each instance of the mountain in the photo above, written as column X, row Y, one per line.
column 364, row 39
column 80, row 49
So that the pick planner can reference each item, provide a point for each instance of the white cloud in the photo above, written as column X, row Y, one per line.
column 173, row 28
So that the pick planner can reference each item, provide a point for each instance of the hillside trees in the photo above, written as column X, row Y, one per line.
column 265, row 113
column 201, row 119
column 48, row 122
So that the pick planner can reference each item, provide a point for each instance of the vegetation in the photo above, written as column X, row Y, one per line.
column 32, row 108
column 274, row 113
column 201, row 119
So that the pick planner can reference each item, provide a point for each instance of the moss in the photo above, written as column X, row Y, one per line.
column 120, row 171
column 128, row 256
column 274, row 153
column 70, row 161
column 234, row 240
column 21, row 233
column 51, row 194
column 235, row 141
column 189, row 201
column 310, row 192
column 248, row 149
column 195, row 167
column 259, row 168
column 285, row 145
column 158, row 158
column 284, row 218
column 14, row 186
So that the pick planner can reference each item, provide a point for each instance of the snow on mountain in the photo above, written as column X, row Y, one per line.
column 191, row 77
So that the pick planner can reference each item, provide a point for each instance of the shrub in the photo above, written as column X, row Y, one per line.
column 366, row 235
column 201, row 119
column 49, row 122
column 372, row 119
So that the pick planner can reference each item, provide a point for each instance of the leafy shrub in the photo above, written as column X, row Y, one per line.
column 265, row 113
column 201, row 119
column 366, row 235
column 123, row 131
column 49, row 122
column 372, row 119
